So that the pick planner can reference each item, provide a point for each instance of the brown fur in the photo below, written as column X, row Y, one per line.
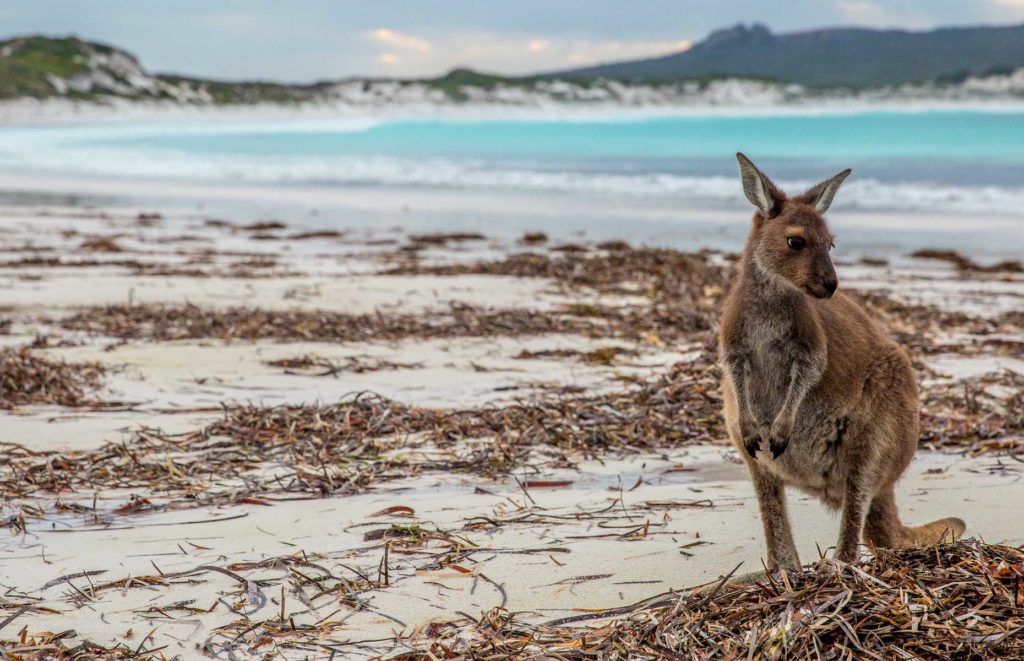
column 816, row 396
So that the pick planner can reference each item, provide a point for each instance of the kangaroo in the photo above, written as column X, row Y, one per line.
column 816, row 396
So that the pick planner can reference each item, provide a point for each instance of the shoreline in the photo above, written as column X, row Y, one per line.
column 506, row 214
column 56, row 112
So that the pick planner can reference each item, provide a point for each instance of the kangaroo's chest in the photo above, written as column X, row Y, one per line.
column 772, row 345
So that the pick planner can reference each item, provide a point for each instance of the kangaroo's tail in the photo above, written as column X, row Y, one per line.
column 937, row 532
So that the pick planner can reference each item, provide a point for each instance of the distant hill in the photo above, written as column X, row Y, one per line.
column 851, row 57
column 742, row 66
column 40, row 67
column 44, row 67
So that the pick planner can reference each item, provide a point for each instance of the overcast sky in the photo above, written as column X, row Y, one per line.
column 305, row 40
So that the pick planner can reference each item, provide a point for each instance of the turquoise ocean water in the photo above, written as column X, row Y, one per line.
column 961, row 162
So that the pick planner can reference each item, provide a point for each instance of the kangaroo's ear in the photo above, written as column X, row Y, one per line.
column 758, row 188
column 820, row 197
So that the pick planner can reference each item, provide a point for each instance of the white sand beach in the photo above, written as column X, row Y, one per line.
column 364, row 572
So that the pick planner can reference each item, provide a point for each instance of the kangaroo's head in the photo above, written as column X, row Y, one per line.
column 790, row 238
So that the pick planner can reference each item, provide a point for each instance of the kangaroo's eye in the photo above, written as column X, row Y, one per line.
column 796, row 243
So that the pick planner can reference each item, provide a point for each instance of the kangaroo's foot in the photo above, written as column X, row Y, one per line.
column 784, row 561
column 830, row 567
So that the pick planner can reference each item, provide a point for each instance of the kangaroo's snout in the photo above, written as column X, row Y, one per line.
column 822, row 287
column 824, row 282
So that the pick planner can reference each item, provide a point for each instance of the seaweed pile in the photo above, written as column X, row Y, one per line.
column 681, row 288
column 964, row 263
column 681, row 292
column 347, row 447
column 919, row 327
column 314, row 365
column 26, row 378
column 982, row 414
column 606, row 355
column 156, row 322
column 180, row 322
column 957, row 601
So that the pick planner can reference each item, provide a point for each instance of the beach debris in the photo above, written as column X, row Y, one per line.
column 347, row 447
column 445, row 238
column 569, row 248
column 148, row 219
column 314, row 365
column 683, row 291
column 263, row 226
column 533, row 239
column 614, row 246
column 666, row 277
column 27, row 378
column 316, row 234
column 255, row 456
column 962, row 600
column 101, row 244
column 963, row 263
column 607, row 355
column 188, row 321
column 981, row 414
column 258, row 266
column 873, row 261
column 925, row 329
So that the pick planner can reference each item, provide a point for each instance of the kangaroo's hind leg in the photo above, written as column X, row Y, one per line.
column 859, row 485
column 884, row 528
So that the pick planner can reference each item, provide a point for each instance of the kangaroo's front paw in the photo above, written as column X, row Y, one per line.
column 752, row 443
column 778, row 437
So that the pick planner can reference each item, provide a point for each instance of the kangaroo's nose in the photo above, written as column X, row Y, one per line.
column 830, row 286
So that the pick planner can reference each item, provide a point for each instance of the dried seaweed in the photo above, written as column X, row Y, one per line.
column 57, row 262
column 961, row 601
column 101, row 244
column 347, row 447
column 444, row 238
column 26, row 378
column 658, row 273
column 981, row 414
column 683, row 291
column 179, row 322
column 608, row 355
column 533, row 239
column 314, row 365
column 964, row 263
column 920, row 328
column 64, row 645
